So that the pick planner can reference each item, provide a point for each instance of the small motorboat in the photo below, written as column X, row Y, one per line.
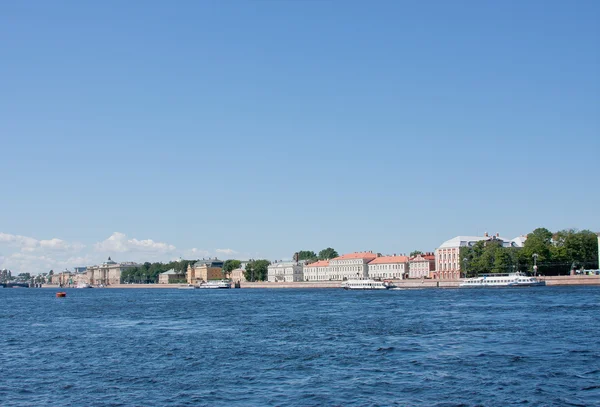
column 61, row 294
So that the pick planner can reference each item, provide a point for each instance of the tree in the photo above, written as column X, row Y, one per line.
column 257, row 270
column 230, row 265
column 327, row 254
column 415, row 252
column 306, row 255
column 24, row 276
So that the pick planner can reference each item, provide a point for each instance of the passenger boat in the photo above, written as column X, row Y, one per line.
column 367, row 284
column 215, row 284
column 502, row 280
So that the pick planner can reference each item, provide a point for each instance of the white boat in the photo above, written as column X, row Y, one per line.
column 187, row 287
column 215, row 284
column 502, row 280
column 83, row 285
column 367, row 284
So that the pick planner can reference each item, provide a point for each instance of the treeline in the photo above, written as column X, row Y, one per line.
column 553, row 254
column 325, row 254
column 147, row 273
column 255, row 270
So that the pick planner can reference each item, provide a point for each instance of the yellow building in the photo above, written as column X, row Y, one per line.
column 204, row 270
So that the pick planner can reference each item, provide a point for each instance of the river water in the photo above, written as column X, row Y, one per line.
column 300, row 347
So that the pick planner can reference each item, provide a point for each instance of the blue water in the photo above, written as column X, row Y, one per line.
column 322, row 347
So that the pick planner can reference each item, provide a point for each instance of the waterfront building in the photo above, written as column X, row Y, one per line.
column 350, row 266
column 81, row 276
column 107, row 273
column 421, row 265
column 237, row 275
column 285, row 271
column 204, row 270
column 170, row 277
column 317, row 271
column 447, row 256
column 393, row 267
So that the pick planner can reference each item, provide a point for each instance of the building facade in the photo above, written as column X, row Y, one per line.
column 317, row 271
column 350, row 266
column 447, row 256
column 170, row 277
column 237, row 275
column 285, row 272
column 107, row 273
column 421, row 265
column 394, row 267
column 205, row 270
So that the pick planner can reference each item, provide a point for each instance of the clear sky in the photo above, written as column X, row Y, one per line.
column 150, row 130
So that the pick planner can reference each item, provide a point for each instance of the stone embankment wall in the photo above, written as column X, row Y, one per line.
column 571, row 280
column 410, row 283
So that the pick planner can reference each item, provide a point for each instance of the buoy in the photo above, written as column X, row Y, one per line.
column 61, row 294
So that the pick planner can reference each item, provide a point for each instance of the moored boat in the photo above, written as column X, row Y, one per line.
column 215, row 284
column 187, row 287
column 366, row 284
column 502, row 280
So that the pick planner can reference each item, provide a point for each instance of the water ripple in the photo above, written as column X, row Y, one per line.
column 301, row 348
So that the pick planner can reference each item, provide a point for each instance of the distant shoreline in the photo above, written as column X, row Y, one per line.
column 408, row 284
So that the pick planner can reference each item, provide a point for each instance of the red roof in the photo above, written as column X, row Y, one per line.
column 320, row 263
column 389, row 259
column 424, row 257
column 357, row 255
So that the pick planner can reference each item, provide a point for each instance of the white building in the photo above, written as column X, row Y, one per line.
column 447, row 256
column 421, row 265
column 317, row 271
column 388, row 267
column 350, row 266
column 285, row 272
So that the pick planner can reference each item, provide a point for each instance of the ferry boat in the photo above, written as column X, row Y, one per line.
column 365, row 285
column 502, row 280
column 215, row 284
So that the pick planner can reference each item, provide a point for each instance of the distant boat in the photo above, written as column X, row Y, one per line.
column 367, row 284
column 502, row 280
column 83, row 285
column 187, row 287
column 216, row 284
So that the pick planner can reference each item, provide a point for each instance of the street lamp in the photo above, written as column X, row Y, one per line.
column 465, row 261
column 535, row 256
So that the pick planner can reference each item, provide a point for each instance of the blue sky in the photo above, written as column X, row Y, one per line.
column 145, row 130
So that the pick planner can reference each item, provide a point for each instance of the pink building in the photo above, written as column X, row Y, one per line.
column 421, row 265
column 447, row 256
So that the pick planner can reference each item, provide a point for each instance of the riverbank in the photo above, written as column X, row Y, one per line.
column 408, row 284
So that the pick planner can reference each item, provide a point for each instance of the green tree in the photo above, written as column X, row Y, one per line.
column 24, row 276
column 327, row 254
column 230, row 265
column 538, row 242
column 306, row 255
column 257, row 270
column 415, row 252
